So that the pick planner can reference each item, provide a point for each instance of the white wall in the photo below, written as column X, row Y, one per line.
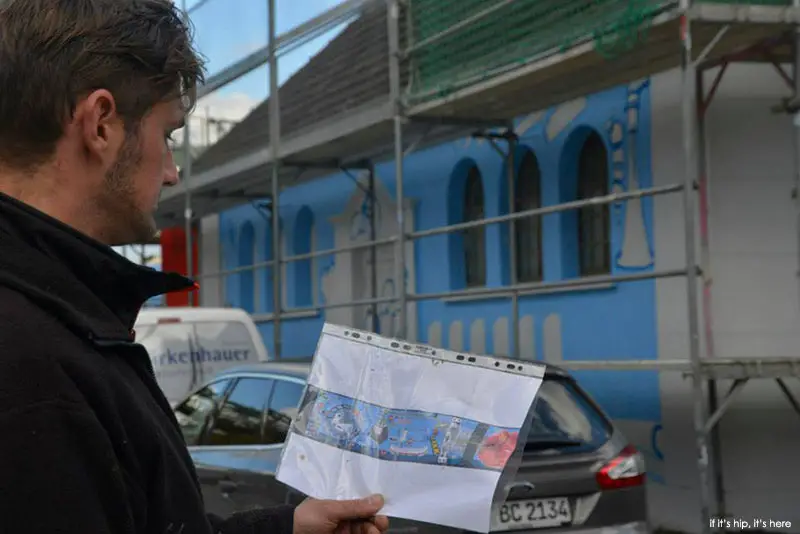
column 753, row 263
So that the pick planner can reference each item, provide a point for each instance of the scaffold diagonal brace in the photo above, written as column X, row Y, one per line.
column 733, row 392
column 710, row 46
column 789, row 395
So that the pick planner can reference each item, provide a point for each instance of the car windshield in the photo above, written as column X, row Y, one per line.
column 565, row 421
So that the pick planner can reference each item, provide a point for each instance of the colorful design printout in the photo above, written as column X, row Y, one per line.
column 403, row 435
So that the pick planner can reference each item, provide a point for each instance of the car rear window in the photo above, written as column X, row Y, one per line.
column 565, row 421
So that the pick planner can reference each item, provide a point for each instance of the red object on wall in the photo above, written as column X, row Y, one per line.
column 173, row 259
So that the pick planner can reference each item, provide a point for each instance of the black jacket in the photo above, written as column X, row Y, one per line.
column 88, row 443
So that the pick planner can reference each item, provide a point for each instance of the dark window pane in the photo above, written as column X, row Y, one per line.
column 528, row 230
column 282, row 408
column 239, row 420
column 193, row 413
column 474, row 238
column 565, row 422
column 594, row 224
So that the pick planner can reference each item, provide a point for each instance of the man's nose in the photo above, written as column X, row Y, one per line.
column 171, row 174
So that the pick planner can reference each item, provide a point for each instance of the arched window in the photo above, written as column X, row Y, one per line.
column 475, row 237
column 268, row 273
column 527, row 196
column 303, row 269
column 285, row 251
column 247, row 249
column 594, row 222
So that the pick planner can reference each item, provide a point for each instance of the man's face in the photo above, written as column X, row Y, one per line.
column 132, row 186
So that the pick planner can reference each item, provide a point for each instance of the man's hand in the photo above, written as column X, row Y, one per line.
column 359, row 516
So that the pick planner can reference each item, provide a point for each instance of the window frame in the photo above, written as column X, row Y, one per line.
column 247, row 300
column 211, row 422
column 266, row 415
column 201, row 436
column 302, row 278
column 265, row 275
column 535, row 176
column 589, row 217
column 474, row 239
column 233, row 378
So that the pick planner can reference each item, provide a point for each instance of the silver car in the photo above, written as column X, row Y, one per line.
column 578, row 473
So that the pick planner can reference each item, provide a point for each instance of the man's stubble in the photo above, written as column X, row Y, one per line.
column 127, row 224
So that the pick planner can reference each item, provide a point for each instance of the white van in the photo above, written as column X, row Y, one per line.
column 188, row 346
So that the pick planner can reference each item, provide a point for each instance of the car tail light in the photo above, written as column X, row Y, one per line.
column 624, row 471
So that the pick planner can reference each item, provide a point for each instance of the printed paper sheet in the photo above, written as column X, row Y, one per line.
column 434, row 431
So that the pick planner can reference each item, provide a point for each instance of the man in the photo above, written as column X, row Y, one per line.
column 90, row 90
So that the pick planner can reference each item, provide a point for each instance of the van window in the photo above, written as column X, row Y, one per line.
column 193, row 413
column 564, row 420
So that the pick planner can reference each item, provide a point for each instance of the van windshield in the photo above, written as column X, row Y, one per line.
column 565, row 421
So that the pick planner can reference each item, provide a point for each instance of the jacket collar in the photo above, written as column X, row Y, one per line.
column 86, row 284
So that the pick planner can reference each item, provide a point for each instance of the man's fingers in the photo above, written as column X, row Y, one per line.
column 382, row 522
column 355, row 509
column 374, row 525
column 368, row 528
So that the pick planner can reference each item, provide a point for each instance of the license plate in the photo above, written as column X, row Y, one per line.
column 532, row 513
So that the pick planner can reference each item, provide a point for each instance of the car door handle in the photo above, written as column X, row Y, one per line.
column 523, row 485
column 227, row 485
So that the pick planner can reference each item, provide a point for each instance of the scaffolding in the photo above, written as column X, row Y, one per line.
column 434, row 96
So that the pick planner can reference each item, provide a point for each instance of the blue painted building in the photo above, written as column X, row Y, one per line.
column 622, row 139
column 584, row 148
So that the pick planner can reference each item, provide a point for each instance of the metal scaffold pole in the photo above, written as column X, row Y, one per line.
column 703, row 187
column 796, row 123
column 401, row 289
column 512, row 237
column 186, row 172
column 187, row 211
column 688, row 72
column 274, row 143
column 373, row 250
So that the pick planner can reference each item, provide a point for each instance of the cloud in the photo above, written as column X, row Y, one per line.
column 217, row 113
column 214, row 115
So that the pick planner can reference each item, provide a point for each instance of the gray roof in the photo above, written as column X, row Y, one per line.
column 350, row 71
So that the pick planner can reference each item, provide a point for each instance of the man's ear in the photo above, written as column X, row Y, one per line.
column 99, row 124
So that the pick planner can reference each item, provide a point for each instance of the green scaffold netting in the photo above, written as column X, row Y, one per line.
column 510, row 33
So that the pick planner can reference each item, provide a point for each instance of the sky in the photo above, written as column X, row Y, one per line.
column 227, row 31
